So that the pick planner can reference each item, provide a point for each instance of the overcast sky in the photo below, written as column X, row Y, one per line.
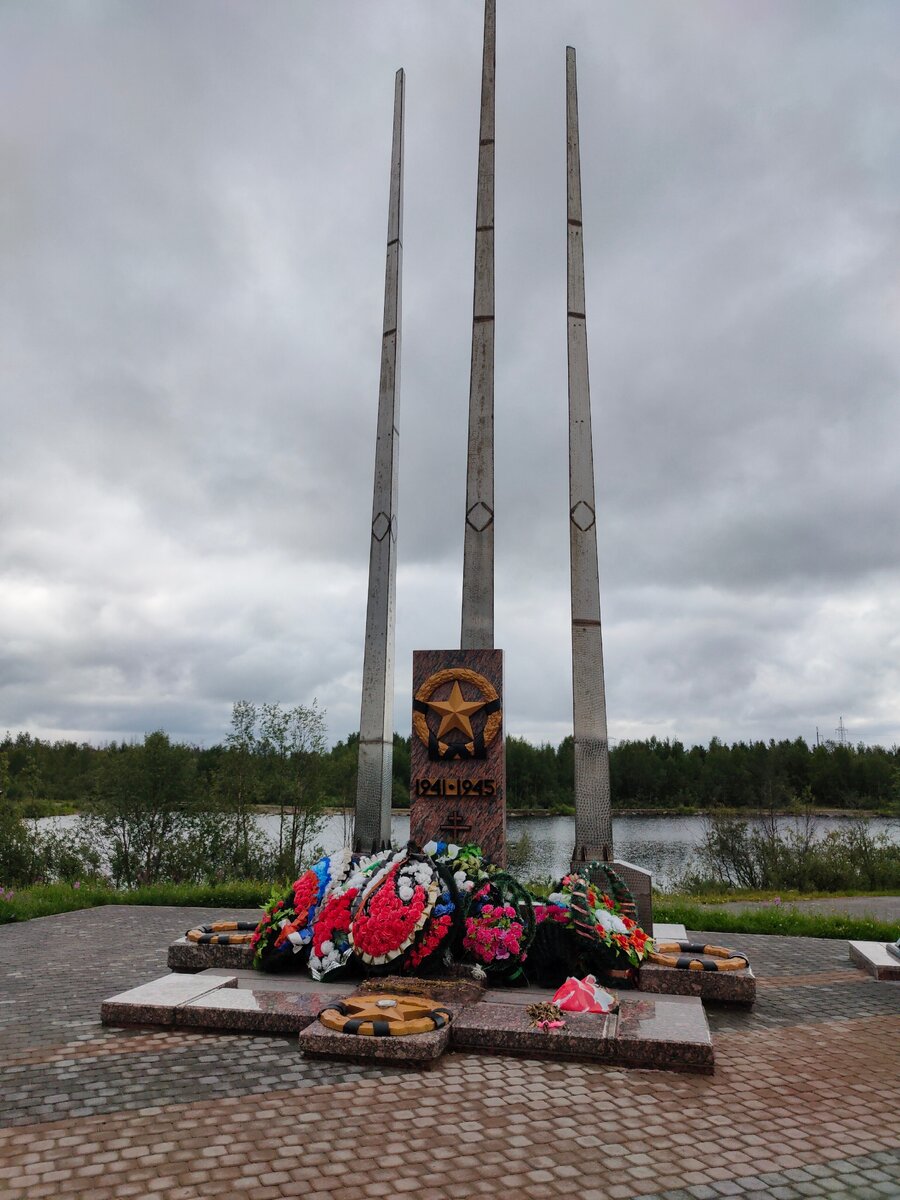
column 192, row 227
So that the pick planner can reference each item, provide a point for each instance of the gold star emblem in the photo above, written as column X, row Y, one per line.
column 455, row 712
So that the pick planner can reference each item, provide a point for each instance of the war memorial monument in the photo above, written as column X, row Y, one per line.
column 401, row 953
column 458, row 777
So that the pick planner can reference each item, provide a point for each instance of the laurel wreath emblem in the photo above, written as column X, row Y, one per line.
column 458, row 675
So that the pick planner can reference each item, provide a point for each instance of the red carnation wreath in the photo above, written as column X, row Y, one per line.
column 333, row 920
column 438, row 929
column 306, row 893
column 386, row 923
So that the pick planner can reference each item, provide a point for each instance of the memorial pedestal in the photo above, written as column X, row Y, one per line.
column 458, row 760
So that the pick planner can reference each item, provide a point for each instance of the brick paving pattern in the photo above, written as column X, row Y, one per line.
column 805, row 1101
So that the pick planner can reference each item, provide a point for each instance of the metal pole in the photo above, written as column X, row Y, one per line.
column 376, row 725
column 593, row 815
column 478, row 554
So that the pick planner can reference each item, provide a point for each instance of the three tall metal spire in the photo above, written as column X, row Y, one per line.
column 593, row 819
column 593, row 814
column 376, row 729
column 478, row 553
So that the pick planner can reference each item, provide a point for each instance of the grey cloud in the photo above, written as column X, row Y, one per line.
column 192, row 242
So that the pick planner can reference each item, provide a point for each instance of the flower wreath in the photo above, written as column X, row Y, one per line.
column 599, row 921
column 312, row 889
column 441, row 927
column 277, row 914
column 393, row 909
column 283, row 938
column 466, row 864
column 331, row 950
column 499, row 927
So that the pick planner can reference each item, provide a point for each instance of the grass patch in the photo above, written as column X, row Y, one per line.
column 33, row 809
column 786, row 922
column 45, row 900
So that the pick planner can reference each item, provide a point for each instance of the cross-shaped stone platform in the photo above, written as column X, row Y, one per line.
column 665, row 1032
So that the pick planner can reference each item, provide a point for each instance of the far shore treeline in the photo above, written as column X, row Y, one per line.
column 156, row 812
column 40, row 777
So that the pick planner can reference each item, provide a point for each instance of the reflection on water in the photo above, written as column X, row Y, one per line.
column 661, row 845
column 665, row 846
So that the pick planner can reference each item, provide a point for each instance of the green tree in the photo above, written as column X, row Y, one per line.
column 400, row 778
column 291, row 748
column 18, row 861
column 146, row 809
column 236, row 787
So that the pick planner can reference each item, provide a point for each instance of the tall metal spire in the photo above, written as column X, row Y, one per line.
column 478, row 555
column 593, row 815
column 376, row 727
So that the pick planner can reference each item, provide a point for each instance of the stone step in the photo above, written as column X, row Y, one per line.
column 154, row 1003
column 875, row 958
column 244, row 1001
column 663, row 932
column 241, row 1010
column 714, row 987
column 317, row 1041
column 192, row 957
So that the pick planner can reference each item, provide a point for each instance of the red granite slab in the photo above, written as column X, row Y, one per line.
column 720, row 987
column 481, row 819
column 154, row 1003
column 244, row 1011
column 317, row 1041
column 191, row 957
column 664, row 1032
column 492, row 1028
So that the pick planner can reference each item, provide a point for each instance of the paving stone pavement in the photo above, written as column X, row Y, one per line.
column 805, row 1101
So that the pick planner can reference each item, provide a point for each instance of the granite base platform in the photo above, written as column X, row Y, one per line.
column 491, row 1028
column 240, row 1010
column 733, row 987
column 192, row 957
column 663, row 1032
column 875, row 958
column 714, row 987
column 240, row 1001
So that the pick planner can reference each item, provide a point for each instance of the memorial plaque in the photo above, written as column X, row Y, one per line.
column 458, row 758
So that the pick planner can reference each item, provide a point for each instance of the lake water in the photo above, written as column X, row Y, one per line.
column 665, row 846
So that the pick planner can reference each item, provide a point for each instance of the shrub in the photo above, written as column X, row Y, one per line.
column 795, row 855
